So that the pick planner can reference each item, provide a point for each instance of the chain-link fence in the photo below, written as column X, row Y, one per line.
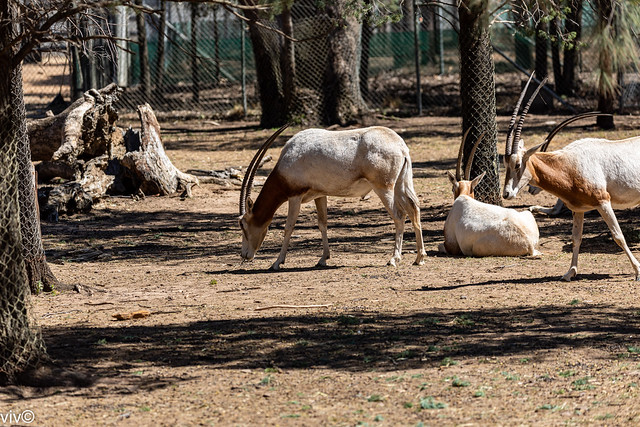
column 200, row 62
column 21, row 345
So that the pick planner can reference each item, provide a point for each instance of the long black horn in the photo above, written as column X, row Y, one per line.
column 514, row 117
column 460, row 154
column 467, row 169
column 247, row 182
column 516, row 138
column 564, row 123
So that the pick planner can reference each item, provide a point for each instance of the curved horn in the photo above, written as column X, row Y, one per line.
column 247, row 182
column 564, row 123
column 512, row 122
column 525, row 110
column 460, row 154
column 467, row 169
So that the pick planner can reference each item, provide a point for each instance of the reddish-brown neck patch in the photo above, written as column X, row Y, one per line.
column 552, row 173
column 274, row 193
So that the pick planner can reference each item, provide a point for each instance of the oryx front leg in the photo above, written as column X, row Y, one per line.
column 576, row 237
column 294, row 211
column 610, row 218
column 321, row 207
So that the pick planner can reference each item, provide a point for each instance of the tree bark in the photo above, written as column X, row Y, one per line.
column 478, row 99
column 21, row 345
column 145, row 75
column 607, row 79
column 343, row 103
column 148, row 163
column 266, row 51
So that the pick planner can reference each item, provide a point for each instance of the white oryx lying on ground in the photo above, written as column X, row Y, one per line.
column 590, row 173
column 317, row 163
column 474, row 228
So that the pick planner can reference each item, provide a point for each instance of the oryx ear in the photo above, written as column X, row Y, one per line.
column 530, row 151
column 477, row 180
column 249, row 204
column 452, row 178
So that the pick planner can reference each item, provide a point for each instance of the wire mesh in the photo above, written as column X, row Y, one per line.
column 201, row 64
column 21, row 345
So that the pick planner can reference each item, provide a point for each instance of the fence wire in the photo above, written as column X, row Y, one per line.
column 21, row 345
column 201, row 64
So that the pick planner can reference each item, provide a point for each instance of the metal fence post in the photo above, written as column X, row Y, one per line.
column 416, row 45
column 243, row 67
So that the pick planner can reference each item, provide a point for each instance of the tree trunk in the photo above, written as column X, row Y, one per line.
column 607, row 85
column 21, row 344
column 343, row 103
column 266, row 51
column 573, row 24
column 478, row 99
column 542, row 46
column 39, row 275
column 145, row 75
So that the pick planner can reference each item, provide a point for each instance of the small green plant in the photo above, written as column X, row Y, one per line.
column 407, row 405
column 582, row 384
column 348, row 320
column 479, row 393
column 549, row 407
column 213, row 282
column 101, row 341
column 270, row 370
column 566, row 374
column 525, row 360
column 457, row 382
column 510, row 377
column 633, row 349
column 375, row 398
column 266, row 380
column 290, row 416
column 574, row 301
column 604, row 417
column 430, row 403
column 145, row 408
column 447, row 361
column 378, row 418
column 465, row 321
column 406, row 354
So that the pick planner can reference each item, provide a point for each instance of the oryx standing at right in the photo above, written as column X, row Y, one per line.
column 590, row 173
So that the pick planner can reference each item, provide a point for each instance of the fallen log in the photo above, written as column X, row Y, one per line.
column 84, row 156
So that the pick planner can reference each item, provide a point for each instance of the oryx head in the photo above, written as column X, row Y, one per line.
column 253, row 234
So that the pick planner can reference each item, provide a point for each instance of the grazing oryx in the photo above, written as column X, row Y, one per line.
column 317, row 163
column 590, row 173
column 474, row 228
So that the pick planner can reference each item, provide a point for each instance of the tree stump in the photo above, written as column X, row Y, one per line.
column 147, row 163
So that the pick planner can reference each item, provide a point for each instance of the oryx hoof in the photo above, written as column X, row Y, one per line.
column 573, row 272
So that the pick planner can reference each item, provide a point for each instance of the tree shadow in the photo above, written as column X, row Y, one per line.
column 350, row 342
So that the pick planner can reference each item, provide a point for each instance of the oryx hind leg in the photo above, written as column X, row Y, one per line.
column 321, row 208
column 398, row 215
column 606, row 211
column 576, row 237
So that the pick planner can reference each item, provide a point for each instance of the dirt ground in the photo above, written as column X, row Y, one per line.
column 458, row 341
